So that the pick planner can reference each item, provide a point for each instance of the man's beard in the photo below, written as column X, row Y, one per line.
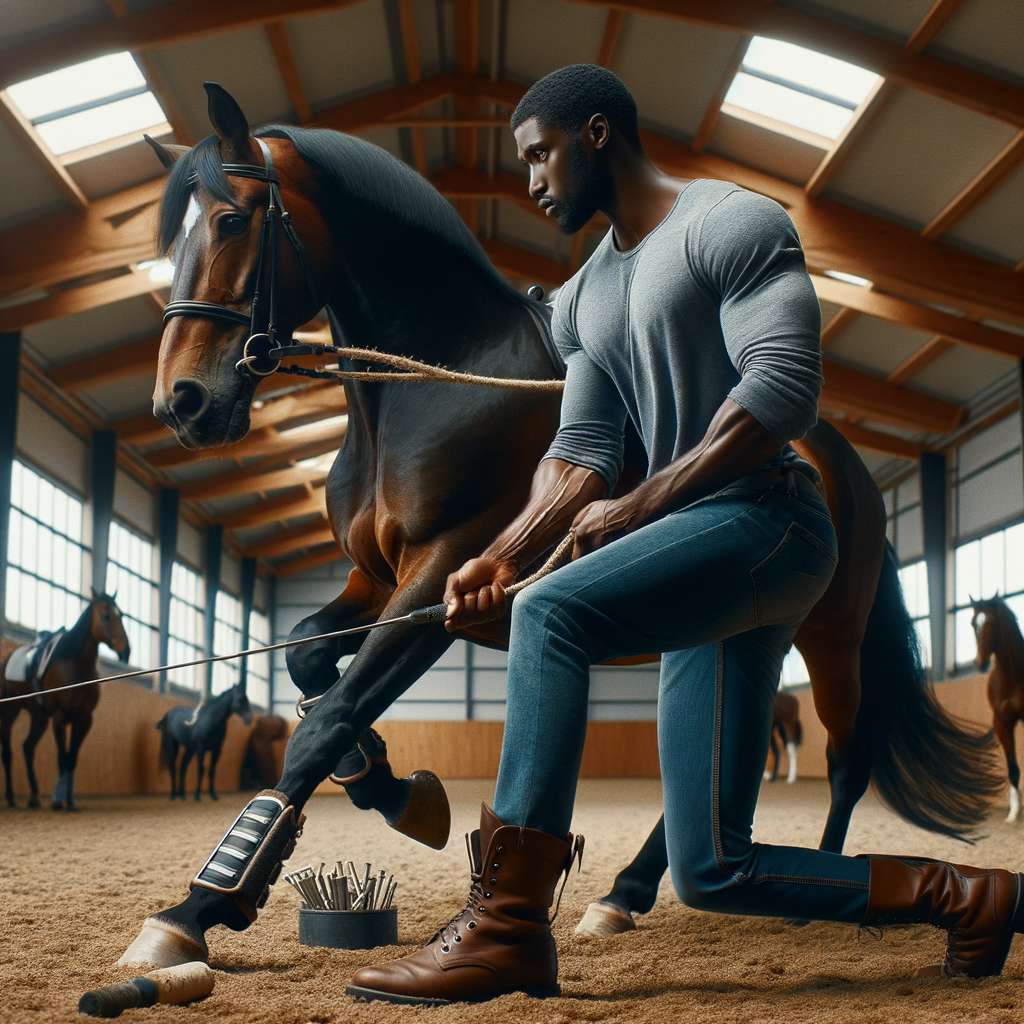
column 591, row 189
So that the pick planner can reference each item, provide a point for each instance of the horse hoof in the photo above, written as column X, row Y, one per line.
column 162, row 943
column 427, row 817
column 57, row 805
column 603, row 919
column 34, row 803
column 73, row 807
column 213, row 796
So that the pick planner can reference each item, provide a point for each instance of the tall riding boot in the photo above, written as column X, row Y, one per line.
column 980, row 910
column 241, row 869
column 502, row 941
column 417, row 806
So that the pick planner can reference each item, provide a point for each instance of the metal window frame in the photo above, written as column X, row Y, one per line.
column 807, row 90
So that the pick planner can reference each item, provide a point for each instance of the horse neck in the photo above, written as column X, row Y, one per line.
column 78, row 641
column 1008, row 645
column 218, row 710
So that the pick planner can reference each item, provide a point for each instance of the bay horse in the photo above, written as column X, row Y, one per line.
column 786, row 726
column 259, row 768
column 1000, row 642
column 74, row 660
column 428, row 473
column 198, row 732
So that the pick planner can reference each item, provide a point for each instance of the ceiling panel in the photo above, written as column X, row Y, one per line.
column 672, row 69
column 127, row 397
column 343, row 54
column 94, row 330
column 987, row 35
column 885, row 18
column 521, row 228
column 960, row 373
column 916, row 156
column 242, row 62
column 118, row 169
column 875, row 345
column 435, row 37
column 544, row 35
column 26, row 192
column 27, row 21
column 766, row 150
column 996, row 227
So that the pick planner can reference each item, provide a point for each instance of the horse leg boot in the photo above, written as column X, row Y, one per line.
column 231, row 887
column 980, row 910
column 416, row 806
column 501, row 942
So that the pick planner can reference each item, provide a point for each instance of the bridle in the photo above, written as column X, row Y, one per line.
column 262, row 353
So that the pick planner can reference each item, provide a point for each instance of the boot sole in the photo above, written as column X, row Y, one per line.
column 372, row 994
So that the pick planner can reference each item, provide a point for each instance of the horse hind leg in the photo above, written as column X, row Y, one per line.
column 200, row 758
column 1004, row 733
column 214, row 757
column 5, row 755
column 80, row 727
column 635, row 890
column 36, row 729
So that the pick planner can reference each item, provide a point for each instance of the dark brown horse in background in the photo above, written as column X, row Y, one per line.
column 787, row 731
column 1000, row 642
column 429, row 473
column 74, row 661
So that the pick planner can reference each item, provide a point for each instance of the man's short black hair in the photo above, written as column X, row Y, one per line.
column 570, row 97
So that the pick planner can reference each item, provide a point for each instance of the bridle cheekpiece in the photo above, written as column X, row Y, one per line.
column 262, row 353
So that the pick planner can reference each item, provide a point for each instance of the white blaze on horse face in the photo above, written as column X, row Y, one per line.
column 192, row 212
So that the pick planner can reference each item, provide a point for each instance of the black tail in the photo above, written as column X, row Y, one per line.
column 165, row 761
column 933, row 770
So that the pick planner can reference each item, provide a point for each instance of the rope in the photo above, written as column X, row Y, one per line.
column 415, row 372
column 548, row 567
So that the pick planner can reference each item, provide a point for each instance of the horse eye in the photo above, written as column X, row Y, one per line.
column 233, row 224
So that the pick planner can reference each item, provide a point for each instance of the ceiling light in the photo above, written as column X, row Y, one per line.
column 838, row 275
column 160, row 271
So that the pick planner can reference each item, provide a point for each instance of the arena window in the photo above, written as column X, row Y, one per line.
column 797, row 88
column 258, row 686
column 90, row 103
column 130, row 577
column 185, row 632
column 44, row 553
column 227, row 638
column 905, row 530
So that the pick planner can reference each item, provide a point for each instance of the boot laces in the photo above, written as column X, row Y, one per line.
column 450, row 932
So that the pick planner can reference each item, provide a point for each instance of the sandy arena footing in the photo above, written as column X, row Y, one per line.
column 76, row 888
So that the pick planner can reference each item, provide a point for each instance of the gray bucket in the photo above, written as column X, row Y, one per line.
column 348, row 929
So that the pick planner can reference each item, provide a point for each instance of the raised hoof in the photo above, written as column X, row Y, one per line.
column 427, row 817
column 161, row 943
column 603, row 919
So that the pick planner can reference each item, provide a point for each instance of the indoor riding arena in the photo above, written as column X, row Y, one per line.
column 291, row 292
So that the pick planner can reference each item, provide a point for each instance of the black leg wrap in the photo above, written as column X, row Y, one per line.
column 247, row 861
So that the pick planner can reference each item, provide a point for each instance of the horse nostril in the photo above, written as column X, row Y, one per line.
column 189, row 400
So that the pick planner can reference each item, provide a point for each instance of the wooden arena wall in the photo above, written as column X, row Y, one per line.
column 121, row 754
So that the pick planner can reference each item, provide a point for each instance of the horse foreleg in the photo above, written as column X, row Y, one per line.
column 771, row 776
column 80, row 727
column 5, row 754
column 186, row 757
column 200, row 758
column 229, row 890
column 214, row 758
column 36, row 729
column 1004, row 728
column 634, row 891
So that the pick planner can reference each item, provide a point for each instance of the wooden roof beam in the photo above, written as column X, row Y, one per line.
column 288, row 541
column 714, row 107
column 414, row 69
column 875, row 440
column 136, row 359
column 331, row 553
column 252, row 480
column 610, row 38
column 852, row 391
column 282, row 47
column 924, row 356
column 515, row 262
column 302, row 502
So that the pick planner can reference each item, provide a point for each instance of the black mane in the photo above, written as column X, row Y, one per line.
column 358, row 169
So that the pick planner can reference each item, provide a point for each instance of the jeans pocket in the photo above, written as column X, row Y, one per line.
column 791, row 580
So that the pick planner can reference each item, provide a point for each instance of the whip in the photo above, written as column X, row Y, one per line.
column 419, row 616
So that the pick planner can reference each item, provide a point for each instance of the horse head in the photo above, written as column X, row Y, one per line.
column 228, row 245
column 984, row 622
column 107, row 627
column 240, row 703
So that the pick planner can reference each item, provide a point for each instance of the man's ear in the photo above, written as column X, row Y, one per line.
column 598, row 131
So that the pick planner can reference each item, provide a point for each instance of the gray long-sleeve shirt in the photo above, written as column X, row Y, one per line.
column 715, row 303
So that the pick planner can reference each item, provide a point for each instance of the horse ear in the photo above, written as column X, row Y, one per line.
column 229, row 123
column 168, row 155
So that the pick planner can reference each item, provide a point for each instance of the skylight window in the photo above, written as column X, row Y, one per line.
column 92, row 102
column 799, row 87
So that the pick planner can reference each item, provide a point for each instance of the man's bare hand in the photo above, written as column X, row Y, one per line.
column 476, row 593
column 600, row 523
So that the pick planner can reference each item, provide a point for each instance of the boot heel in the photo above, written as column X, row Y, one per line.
column 552, row 991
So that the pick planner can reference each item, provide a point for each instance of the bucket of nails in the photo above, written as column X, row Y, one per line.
column 345, row 909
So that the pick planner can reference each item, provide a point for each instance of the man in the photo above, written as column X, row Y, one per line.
column 696, row 318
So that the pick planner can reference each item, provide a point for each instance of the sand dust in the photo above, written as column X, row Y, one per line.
column 75, row 889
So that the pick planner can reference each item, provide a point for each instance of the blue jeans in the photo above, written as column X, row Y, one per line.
column 719, row 589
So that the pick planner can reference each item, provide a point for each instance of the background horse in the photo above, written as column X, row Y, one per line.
column 259, row 767
column 74, row 660
column 1000, row 642
column 429, row 473
column 198, row 731
column 786, row 726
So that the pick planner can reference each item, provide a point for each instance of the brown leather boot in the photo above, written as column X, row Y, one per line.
column 502, row 941
column 980, row 910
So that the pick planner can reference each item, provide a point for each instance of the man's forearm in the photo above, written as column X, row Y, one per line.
column 559, row 491
column 735, row 444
